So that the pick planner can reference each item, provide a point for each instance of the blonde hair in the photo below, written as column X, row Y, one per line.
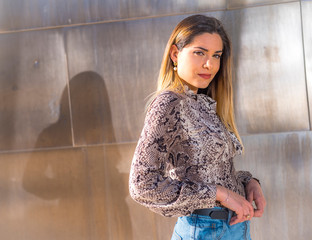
column 220, row 89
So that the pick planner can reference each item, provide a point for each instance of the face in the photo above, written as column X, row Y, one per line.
column 199, row 61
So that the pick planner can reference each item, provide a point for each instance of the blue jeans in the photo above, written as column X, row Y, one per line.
column 199, row 227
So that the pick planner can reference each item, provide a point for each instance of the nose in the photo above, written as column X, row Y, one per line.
column 208, row 64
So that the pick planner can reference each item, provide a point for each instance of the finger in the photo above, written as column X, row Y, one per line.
column 247, row 218
column 238, row 218
column 234, row 220
column 260, row 207
column 242, row 217
column 250, row 197
column 248, row 215
column 250, row 211
column 260, row 203
column 258, row 213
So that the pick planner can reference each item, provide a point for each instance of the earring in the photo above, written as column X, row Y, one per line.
column 175, row 64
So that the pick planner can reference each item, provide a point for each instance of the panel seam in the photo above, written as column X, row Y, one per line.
column 68, row 89
column 304, row 66
column 225, row 8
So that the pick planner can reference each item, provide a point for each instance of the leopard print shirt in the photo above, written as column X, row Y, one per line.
column 183, row 152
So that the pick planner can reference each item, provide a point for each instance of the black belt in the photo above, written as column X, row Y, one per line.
column 221, row 214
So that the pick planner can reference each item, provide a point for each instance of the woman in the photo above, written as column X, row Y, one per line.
column 183, row 163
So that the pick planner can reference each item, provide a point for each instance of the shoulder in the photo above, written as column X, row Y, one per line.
column 164, row 101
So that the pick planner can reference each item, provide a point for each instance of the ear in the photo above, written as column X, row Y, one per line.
column 174, row 53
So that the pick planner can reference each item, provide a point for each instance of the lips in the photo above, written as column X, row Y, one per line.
column 205, row 76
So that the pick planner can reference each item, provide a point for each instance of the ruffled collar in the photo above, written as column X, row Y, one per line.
column 208, row 101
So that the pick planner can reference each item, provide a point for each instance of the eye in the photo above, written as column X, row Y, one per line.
column 217, row 56
column 199, row 53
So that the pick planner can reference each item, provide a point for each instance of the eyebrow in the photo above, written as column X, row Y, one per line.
column 204, row 49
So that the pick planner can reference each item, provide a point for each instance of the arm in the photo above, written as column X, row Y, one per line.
column 155, row 181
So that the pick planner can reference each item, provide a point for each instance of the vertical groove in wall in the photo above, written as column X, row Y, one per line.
column 107, row 199
column 91, row 223
column 155, row 235
column 304, row 64
column 68, row 90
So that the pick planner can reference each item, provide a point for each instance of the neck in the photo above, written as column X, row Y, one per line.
column 192, row 88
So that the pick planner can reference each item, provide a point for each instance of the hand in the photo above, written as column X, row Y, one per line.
column 254, row 194
column 231, row 200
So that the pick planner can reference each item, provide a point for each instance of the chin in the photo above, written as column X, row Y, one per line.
column 203, row 85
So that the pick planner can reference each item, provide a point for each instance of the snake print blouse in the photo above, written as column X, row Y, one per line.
column 183, row 152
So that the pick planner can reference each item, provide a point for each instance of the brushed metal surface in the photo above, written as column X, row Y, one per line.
column 92, row 117
column 126, row 71
column 124, row 219
column 33, row 78
column 270, row 89
column 307, row 36
column 283, row 163
column 164, row 226
column 19, row 14
column 248, row 3
column 112, row 9
column 45, row 195
column 125, row 58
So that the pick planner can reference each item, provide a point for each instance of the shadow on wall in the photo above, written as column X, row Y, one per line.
column 92, row 119
column 91, row 114
column 57, row 177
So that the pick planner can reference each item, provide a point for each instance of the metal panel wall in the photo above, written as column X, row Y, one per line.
column 270, row 89
column 247, row 3
column 283, row 162
column 45, row 195
column 307, row 34
column 110, row 69
column 33, row 78
column 19, row 14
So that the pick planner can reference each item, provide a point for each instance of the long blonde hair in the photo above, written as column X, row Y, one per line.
column 220, row 89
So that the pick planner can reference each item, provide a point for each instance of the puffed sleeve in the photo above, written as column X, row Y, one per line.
column 243, row 177
column 155, row 179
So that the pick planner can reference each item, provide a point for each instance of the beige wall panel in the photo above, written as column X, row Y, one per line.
column 33, row 78
column 270, row 88
column 44, row 195
column 164, row 226
column 283, row 163
column 122, row 61
column 163, row 7
column 125, row 219
column 19, row 14
column 113, row 54
column 91, row 110
column 99, row 193
column 307, row 34
column 112, row 9
column 247, row 3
